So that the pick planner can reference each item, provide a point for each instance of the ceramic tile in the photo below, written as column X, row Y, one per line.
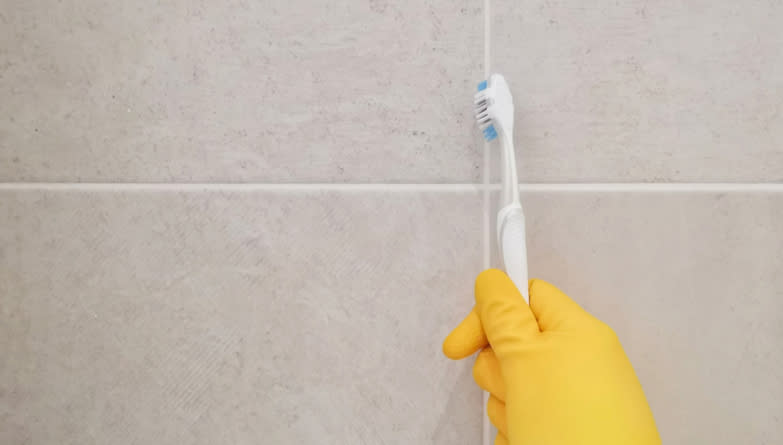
column 235, row 317
column 644, row 91
column 280, row 91
column 691, row 283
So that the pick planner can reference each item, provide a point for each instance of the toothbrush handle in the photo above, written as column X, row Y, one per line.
column 514, row 247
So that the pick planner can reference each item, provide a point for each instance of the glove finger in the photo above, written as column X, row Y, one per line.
column 501, row 439
column 553, row 309
column 487, row 374
column 507, row 320
column 496, row 411
column 467, row 338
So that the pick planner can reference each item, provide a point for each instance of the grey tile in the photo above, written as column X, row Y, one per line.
column 644, row 91
column 280, row 91
column 235, row 317
column 691, row 282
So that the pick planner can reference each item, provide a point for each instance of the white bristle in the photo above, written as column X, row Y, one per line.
column 481, row 110
column 483, row 102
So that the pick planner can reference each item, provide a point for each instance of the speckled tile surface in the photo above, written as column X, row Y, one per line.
column 641, row 91
column 235, row 317
column 691, row 283
column 276, row 91
column 207, row 313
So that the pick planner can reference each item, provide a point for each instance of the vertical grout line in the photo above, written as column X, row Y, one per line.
column 486, row 170
column 487, row 70
column 485, row 427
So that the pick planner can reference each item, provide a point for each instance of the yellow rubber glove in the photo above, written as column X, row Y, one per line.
column 556, row 375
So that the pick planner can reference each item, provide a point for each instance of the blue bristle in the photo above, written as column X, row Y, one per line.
column 482, row 86
column 490, row 133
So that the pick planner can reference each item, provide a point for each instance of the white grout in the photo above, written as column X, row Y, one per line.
column 652, row 187
column 131, row 186
column 411, row 187
column 487, row 41
column 486, row 430
column 486, row 219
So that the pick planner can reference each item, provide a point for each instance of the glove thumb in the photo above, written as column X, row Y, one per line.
column 507, row 320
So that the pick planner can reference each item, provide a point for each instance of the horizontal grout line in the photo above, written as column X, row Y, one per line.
column 653, row 187
column 469, row 187
column 109, row 186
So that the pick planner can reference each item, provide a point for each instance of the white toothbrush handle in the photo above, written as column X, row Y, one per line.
column 513, row 246
column 511, row 221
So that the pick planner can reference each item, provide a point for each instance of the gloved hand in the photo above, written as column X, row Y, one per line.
column 556, row 375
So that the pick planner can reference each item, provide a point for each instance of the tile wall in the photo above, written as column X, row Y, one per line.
column 239, row 222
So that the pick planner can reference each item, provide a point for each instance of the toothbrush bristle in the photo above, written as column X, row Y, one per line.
column 490, row 133
column 481, row 102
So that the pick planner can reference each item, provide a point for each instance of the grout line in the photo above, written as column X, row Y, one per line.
column 486, row 214
column 381, row 187
column 486, row 173
column 486, row 430
column 652, row 187
column 109, row 186
column 487, row 41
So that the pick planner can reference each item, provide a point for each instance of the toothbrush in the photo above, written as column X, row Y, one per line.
column 495, row 116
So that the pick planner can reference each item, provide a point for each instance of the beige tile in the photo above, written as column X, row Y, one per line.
column 235, row 317
column 691, row 282
column 644, row 91
column 280, row 91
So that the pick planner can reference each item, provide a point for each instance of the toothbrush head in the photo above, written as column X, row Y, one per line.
column 494, row 107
